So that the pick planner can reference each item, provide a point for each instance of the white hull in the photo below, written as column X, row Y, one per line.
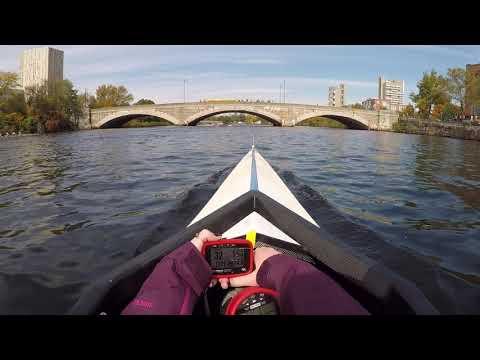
column 253, row 172
column 234, row 215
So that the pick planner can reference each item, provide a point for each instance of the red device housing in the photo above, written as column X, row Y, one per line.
column 244, row 242
column 237, row 300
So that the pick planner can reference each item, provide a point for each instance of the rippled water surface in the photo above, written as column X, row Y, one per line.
column 75, row 205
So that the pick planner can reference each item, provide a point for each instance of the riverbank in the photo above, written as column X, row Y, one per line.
column 437, row 128
column 7, row 135
column 322, row 122
column 146, row 122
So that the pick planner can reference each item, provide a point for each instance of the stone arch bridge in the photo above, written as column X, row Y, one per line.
column 189, row 114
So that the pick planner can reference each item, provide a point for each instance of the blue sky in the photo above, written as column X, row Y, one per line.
column 253, row 72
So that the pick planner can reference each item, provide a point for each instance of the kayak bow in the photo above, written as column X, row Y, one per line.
column 253, row 197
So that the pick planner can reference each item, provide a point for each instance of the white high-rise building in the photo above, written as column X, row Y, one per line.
column 336, row 95
column 41, row 65
column 391, row 91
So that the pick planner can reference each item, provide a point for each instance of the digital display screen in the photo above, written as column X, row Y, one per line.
column 229, row 258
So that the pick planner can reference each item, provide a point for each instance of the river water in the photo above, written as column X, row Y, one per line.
column 75, row 205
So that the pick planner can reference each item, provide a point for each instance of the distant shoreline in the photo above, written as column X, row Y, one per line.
column 437, row 128
column 17, row 135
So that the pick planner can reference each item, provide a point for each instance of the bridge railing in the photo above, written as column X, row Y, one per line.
column 273, row 104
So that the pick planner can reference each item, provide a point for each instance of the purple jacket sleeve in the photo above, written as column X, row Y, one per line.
column 304, row 290
column 174, row 285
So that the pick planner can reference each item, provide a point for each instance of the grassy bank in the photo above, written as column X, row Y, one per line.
column 234, row 118
column 322, row 122
column 146, row 122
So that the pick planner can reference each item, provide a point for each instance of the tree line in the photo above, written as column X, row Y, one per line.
column 44, row 108
column 236, row 118
column 59, row 106
column 52, row 107
column 444, row 97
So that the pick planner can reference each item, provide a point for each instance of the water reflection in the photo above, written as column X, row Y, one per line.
column 450, row 165
column 75, row 205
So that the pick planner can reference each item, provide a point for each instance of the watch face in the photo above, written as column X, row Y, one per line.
column 227, row 259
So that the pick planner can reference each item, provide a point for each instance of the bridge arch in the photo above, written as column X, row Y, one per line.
column 266, row 115
column 120, row 118
column 349, row 119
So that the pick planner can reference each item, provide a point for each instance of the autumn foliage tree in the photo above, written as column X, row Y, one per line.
column 451, row 112
column 51, row 107
column 110, row 95
column 472, row 90
column 437, row 111
column 432, row 91
column 56, row 107
column 446, row 98
column 408, row 112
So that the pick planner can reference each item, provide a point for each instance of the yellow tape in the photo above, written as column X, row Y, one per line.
column 252, row 237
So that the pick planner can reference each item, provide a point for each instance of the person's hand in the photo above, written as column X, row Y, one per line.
column 261, row 254
column 202, row 237
column 198, row 241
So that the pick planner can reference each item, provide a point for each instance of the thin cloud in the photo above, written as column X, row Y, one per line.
column 158, row 72
column 231, row 86
column 444, row 50
column 258, row 61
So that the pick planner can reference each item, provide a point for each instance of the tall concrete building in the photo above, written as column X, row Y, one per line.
column 336, row 95
column 391, row 91
column 472, row 109
column 41, row 65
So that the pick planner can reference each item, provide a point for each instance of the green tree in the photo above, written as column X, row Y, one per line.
column 456, row 86
column 8, row 82
column 408, row 112
column 110, row 95
column 70, row 102
column 15, row 103
column 28, row 125
column 357, row 106
column 55, row 108
column 11, row 99
column 432, row 90
column 251, row 119
column 144, row 102
column 40, row 106
column 451, row 112
column 322, row 122
column 12, row 103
